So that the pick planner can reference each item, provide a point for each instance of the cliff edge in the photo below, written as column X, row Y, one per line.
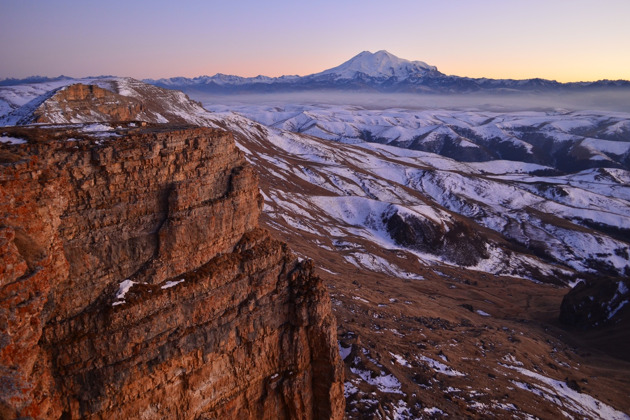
column 136, row 283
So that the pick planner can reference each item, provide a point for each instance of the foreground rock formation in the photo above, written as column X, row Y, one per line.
column 135, row 283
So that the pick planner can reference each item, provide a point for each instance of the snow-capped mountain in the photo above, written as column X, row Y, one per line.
column 379, row 71
column 379, row 65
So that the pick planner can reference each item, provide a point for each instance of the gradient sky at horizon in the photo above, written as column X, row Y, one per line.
column 574, row 40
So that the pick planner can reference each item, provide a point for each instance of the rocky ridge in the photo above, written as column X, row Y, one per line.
column 98, row 100
column 137, row 283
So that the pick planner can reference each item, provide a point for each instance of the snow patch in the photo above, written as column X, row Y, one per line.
column 123, row 288
column 11, row 140
column 384, row 382
column 440, row 367
column 400, row 360
column 172, row 283
column 433, row 411
column 344, row 351
column 559, row 393
column 89, row 128
column 349, row 389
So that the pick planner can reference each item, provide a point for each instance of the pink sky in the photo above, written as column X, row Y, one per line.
column 553, row 39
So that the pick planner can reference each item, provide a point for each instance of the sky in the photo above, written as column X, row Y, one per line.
column 564, row 40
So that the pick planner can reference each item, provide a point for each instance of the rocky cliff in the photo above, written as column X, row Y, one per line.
column 136, row 283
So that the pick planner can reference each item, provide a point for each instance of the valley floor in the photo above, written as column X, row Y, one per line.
column 464, row 344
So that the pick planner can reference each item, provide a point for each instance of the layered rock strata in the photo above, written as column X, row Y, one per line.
column 135, row 283
column 80, row 99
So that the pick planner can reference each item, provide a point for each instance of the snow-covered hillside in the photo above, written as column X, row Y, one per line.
column 520, row 217
column 563, row 140
column 344, row 195
column 13, row 97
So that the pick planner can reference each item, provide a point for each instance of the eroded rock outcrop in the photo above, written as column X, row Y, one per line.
column 101, row 104
column 135, row 283
column 596, row 302
column 456, row 241
column 111, row 99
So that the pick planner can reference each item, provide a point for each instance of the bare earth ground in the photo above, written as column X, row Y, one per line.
column 420, row 349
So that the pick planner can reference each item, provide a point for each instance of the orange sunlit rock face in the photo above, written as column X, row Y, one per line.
column 220, row 320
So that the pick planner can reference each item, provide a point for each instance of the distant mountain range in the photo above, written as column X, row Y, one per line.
column 379, row 71
column 32, row 79
column 369, row 72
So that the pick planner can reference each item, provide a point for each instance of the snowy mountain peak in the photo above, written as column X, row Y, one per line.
column 380, row 64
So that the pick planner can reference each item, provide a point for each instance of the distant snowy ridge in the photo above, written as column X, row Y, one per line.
column 32, row 79
column 381, row 71
column 367, row 71
column 566, row 141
